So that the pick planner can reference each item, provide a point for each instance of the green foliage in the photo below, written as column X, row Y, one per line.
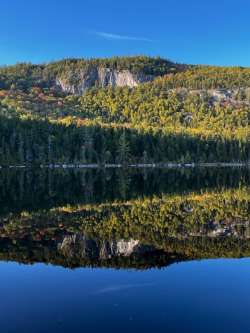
column 42, row 142
column 179, row 117
column 138, row 64
column 208, row 77
column 25, row 76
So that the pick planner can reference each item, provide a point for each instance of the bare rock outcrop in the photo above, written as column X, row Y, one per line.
column 78, row 82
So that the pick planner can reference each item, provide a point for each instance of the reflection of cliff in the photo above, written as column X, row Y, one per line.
column 76, row 250
column 90, row 248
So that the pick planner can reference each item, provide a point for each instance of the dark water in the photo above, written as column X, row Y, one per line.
column 125, row 251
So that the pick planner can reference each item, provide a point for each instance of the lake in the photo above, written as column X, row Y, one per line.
column 149, row 250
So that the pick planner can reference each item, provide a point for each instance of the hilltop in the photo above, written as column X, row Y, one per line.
column 77, row 75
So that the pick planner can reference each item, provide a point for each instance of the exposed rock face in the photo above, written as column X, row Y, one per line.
column 89, row 248
column 100, row 77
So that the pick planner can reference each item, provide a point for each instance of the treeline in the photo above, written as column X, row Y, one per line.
column 155, row 66
column 42, row 142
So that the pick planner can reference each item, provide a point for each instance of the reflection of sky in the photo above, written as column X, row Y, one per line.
column 197, row 296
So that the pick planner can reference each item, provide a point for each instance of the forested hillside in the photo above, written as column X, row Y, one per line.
column 24, row 76
column 179, row 114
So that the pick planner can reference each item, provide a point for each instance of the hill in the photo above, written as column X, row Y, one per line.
column 124, row 110
column 77, row 75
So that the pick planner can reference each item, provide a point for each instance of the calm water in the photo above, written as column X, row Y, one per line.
column 148, row 251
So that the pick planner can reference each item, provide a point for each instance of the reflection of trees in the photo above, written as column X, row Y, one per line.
column 44, row 188
column 166, row 227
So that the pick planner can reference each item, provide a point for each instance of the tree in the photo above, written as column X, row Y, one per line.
column 123, row 149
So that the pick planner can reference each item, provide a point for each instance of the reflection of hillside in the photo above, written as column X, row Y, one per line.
column 76, row 250
column 145, row 232
column 211, row 213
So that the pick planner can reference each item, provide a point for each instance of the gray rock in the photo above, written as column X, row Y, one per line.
column 78, row 83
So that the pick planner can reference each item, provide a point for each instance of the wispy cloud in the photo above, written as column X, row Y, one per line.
column 112, row 36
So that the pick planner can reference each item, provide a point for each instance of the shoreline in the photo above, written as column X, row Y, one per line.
column 129, row 166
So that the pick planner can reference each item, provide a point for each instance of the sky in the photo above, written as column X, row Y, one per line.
column 215, row 32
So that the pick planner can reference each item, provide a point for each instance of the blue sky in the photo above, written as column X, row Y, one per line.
column 187, row 31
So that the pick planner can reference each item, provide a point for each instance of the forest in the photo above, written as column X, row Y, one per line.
column 185, row 114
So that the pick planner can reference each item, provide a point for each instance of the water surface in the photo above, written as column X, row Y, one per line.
column 91, row 251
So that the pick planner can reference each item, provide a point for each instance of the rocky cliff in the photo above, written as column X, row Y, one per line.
column 77, row 82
